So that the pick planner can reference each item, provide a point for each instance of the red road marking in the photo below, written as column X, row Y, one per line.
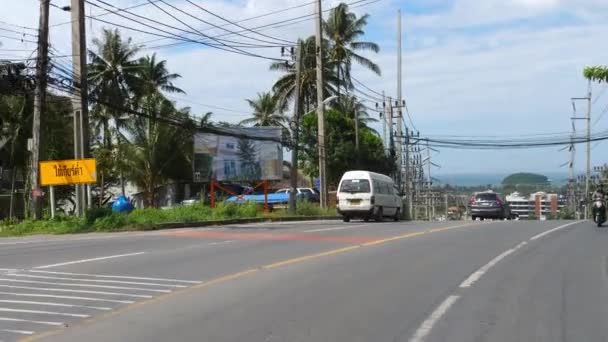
column 274, row 237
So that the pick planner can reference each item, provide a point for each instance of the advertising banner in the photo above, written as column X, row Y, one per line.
column 242, row 154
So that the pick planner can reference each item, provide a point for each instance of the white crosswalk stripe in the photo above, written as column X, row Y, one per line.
column 34, row 300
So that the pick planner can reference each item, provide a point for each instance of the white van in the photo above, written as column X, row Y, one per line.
column 366, row 195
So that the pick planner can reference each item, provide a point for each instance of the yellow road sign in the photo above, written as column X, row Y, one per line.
column 65, row 172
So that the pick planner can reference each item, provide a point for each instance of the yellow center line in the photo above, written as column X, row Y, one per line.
column 229, row 277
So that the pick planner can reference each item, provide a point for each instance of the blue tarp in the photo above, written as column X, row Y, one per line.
column 281, row 198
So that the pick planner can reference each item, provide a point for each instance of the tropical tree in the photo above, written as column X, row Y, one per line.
column 353, row 108
column 343, row 29
column 268, row 110
column 155, row 78
column 596, row 73
column 156, row 150
column 284, row 87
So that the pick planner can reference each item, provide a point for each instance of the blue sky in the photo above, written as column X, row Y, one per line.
column 491, row 67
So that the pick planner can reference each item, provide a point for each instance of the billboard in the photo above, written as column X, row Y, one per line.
column 238, row 154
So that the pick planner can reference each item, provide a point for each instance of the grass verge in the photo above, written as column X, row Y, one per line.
column 103, row 220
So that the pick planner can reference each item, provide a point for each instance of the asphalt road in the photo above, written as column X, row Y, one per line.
column 311, row 281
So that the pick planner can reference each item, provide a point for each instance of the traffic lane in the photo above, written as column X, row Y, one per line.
column 28, row 252
column 376, row 293
column 553, row 289
column 202, row 258
column 64, row 295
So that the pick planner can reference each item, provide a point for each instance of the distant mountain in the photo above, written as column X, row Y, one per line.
column 525, row 178
column 493, row 179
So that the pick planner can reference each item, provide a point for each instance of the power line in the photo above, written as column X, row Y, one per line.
column 19, row 39
column 106, row 13
column 206, row 36
column 366, row 87
column 236, row 24
column 19, row 26
column 19, row 33
column 282, row 23
column 207, row 105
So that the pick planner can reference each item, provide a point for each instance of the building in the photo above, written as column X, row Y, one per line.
column 538, row 204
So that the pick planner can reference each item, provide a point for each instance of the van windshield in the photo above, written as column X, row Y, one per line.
column 355, row 185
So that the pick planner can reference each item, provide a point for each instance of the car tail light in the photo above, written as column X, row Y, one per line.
column 372, row 200
column 499, row 201
column 472, row 201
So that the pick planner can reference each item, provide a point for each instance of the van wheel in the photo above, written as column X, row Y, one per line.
column 380, row 215
column 397, row 215
column 366, row 219
column 346, row 219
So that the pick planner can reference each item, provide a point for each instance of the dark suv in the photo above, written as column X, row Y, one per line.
column 489, row 205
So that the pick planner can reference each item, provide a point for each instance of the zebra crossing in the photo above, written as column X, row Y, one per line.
column 32, row 301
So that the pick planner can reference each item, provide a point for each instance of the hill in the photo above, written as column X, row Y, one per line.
column 524, row 178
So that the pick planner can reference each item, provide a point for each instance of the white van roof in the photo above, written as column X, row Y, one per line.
column 365, row 175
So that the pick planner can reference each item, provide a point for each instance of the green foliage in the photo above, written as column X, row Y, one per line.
column 524, row 178
column 596, row 73
column 341, row 153
column 268, row 110
column 93, row 214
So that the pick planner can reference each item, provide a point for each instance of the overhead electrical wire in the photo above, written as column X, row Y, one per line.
column 19, row 39
column 106, row 13
column 19, row 26
column 209, row 37
column 236, row 24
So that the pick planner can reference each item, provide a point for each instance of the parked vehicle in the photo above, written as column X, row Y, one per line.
column 305, row 193
column 366, row 195
column 489, row 205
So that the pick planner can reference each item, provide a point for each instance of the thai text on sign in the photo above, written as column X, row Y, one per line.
column 66, row 172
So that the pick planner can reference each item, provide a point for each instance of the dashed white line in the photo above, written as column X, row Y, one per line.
column 430, row 322
column 118, row 277
column 538, row 236
column 10, row 319
column 84, row 285
column 221, row 242
column 480, row 272
column 20, row 332
column 76, row 291
column 336, row 228
column 28, row 302
column 37, row 295
column 89, row 260
column 45, row 312
column 95, row 280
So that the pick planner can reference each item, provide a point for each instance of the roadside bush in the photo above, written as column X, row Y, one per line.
column 113, row 222
column 93, row 214
column 249, row 210
column 225, row 210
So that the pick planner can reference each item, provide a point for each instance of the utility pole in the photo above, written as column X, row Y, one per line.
column 39, row 106
column 391, row 144
column 385, row 140
column 320, row 106
column 588, row 176
column 430, row 180
column 407, row 173
column 80, row 100
column 446, row 206
column 295, row 132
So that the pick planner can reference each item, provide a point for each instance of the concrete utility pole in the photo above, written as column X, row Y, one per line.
column 384, row 118
column 320, row 106
column 80, row 98
column 42, row 64
column 588, row 175
column 446, row 207
column 391, row 139
column 295, row 132
column 430, row 180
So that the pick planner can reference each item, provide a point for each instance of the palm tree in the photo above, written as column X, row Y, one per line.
column 157, row 151
column 267, row 111
column 284, row 87
column 154, row 77
column 113, row 76
column 353, row 108
column 343, row 29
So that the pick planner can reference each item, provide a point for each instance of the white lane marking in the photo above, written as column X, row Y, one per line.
column 336, row 228
column 221, row 242
column 426, row 326
column 45, row 312
column 37, row 295
column 538, row 236
column 83, row 285
column 8, row 269
column 94, row 280
column 20, row 332
column 76, row 291
column 118, row 277
column 89, row 260
column 485, row 268
column 28, row 302
column 10, row 319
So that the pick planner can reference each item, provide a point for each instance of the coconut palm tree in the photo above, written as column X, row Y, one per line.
column 268, row 110
column 284, row 87
column 155, row 78
column 353, row 108
column 343, row 29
